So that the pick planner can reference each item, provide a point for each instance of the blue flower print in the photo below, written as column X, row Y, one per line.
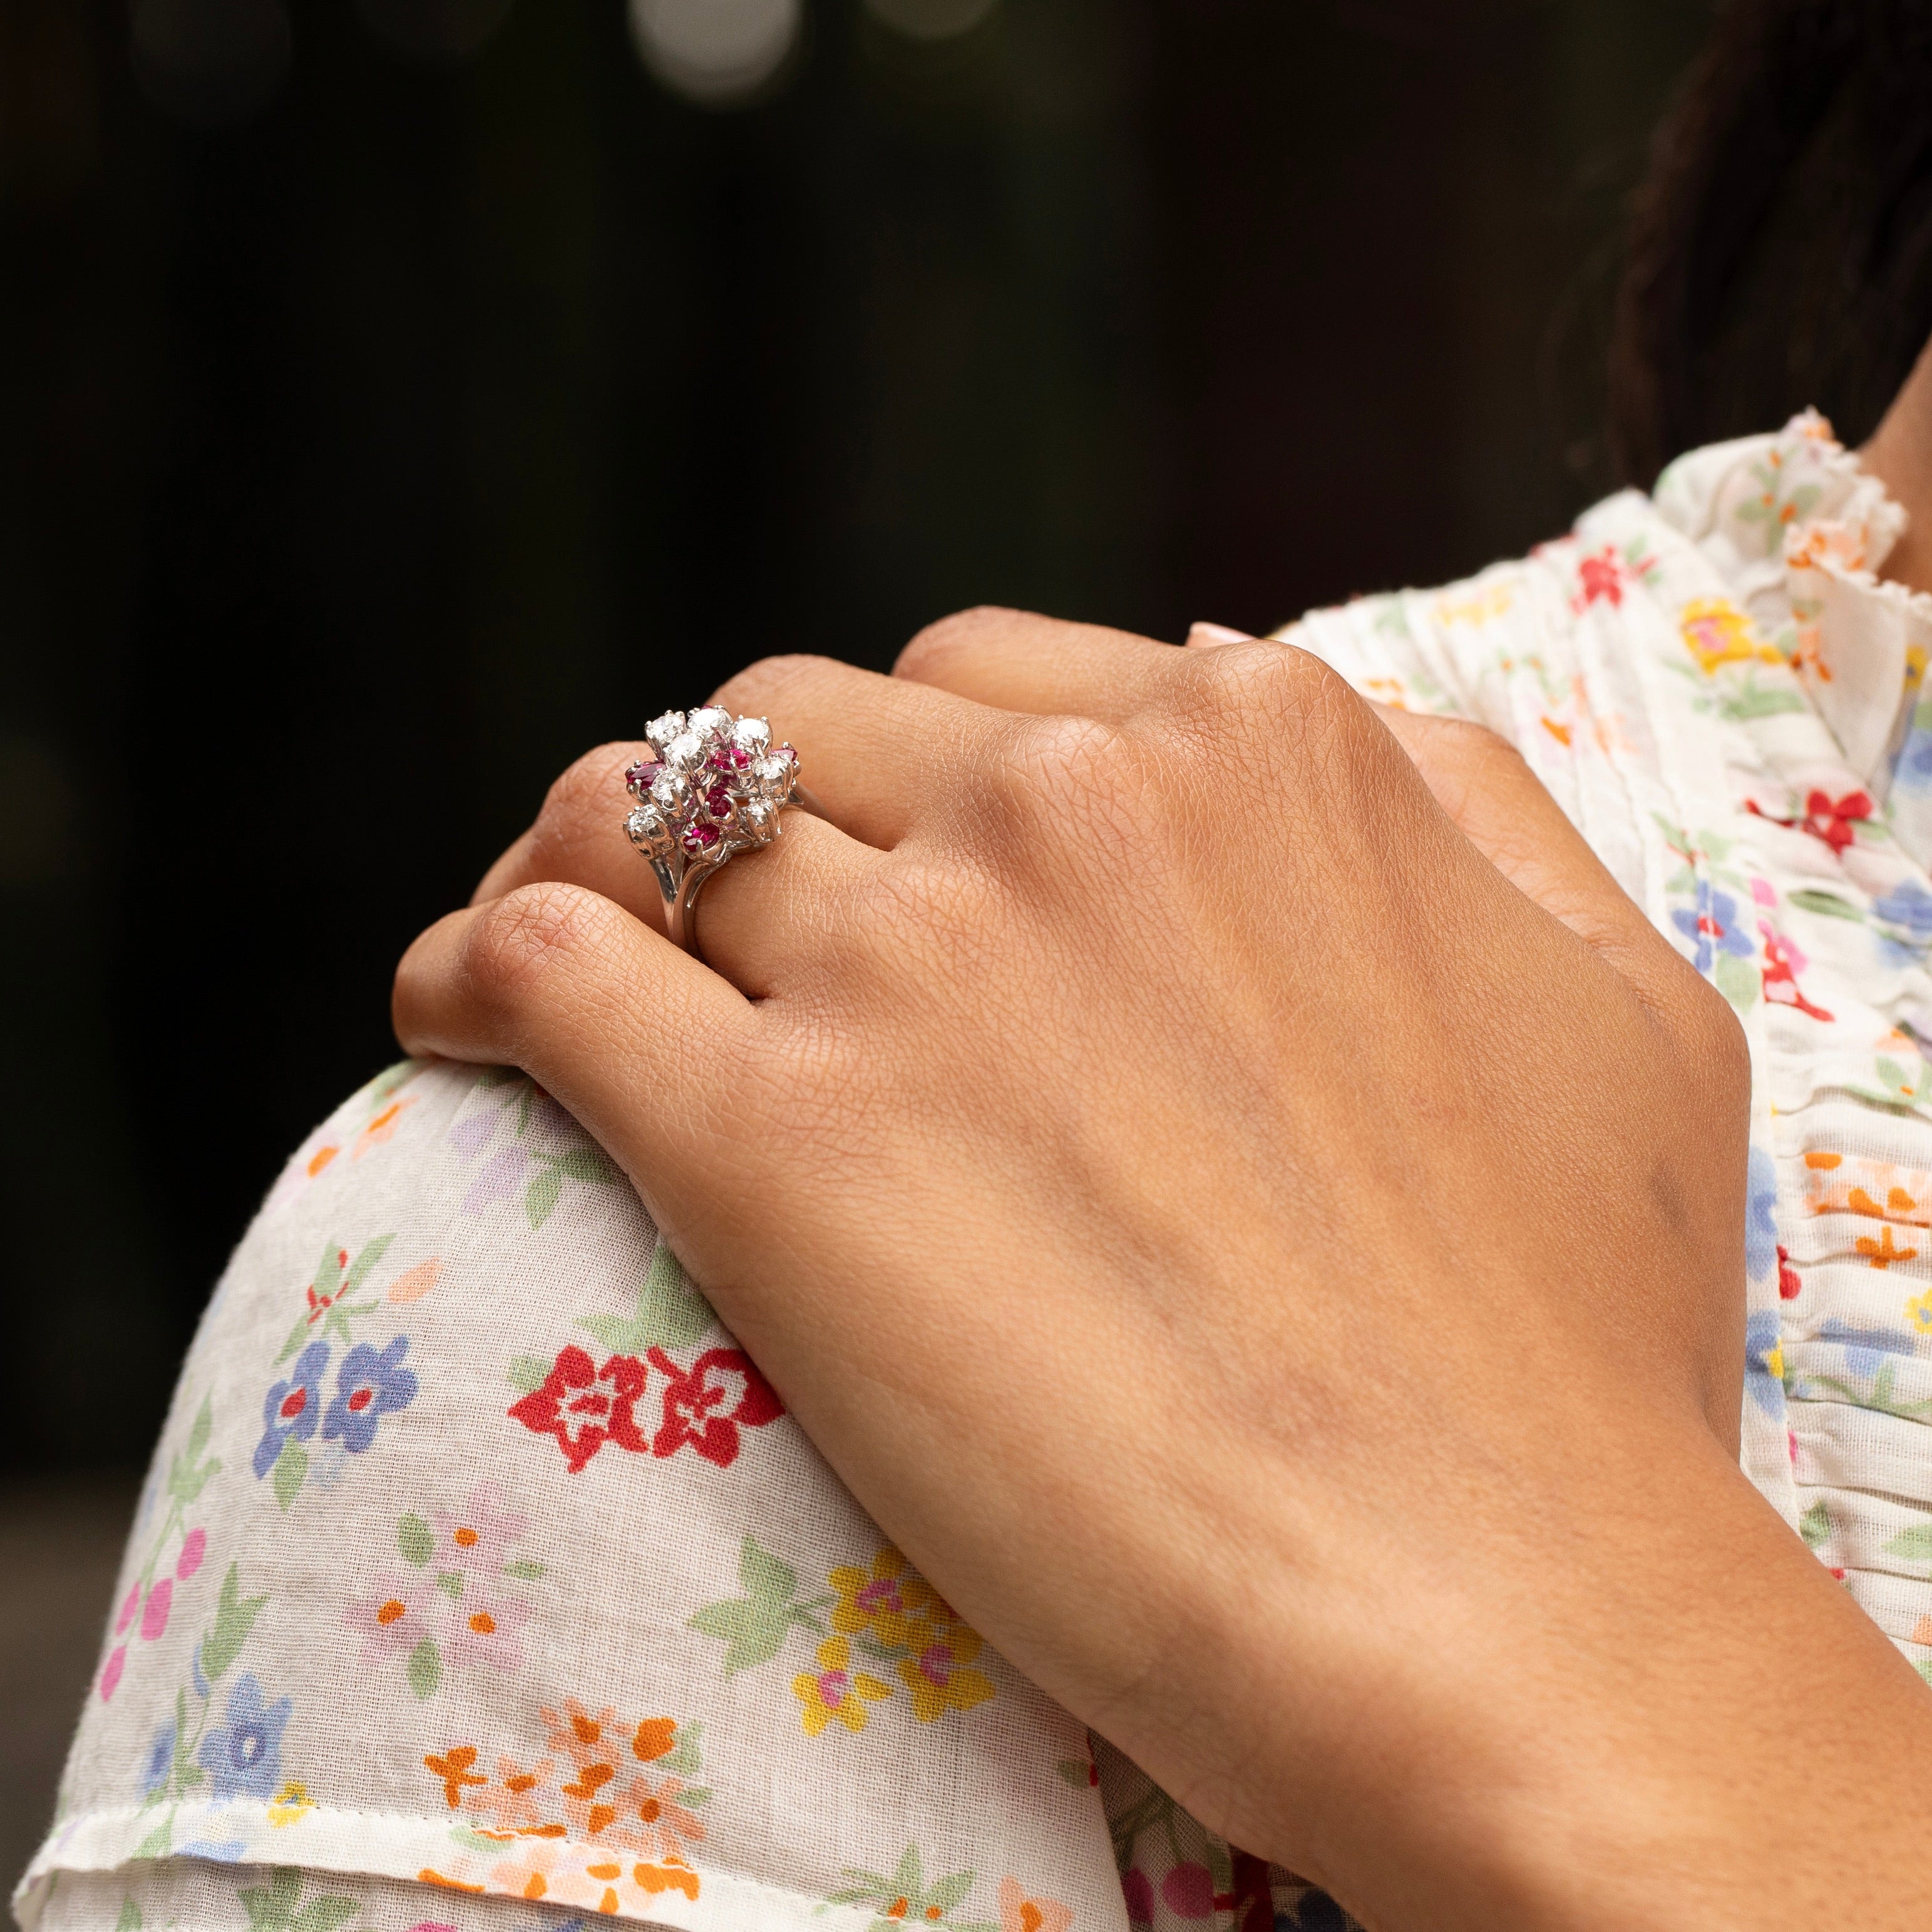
column 1915, row 760
column 223, row 1851
column 1760, row 1215
column 1764, row 1361
column 243, row 1757
column 1714, row 921
column 373, row 1384
column 291, row 1408
column 161, row 1763
column 1908, row 905
column 1866, row 1347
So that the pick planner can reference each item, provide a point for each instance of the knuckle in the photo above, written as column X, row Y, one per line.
column 580, row 794
column 515, row 942
column 762, row 686
column 925, row 657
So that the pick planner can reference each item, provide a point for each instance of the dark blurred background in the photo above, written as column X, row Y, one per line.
column 401, row 396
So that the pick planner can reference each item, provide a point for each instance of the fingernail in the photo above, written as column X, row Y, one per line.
column 1200, row 635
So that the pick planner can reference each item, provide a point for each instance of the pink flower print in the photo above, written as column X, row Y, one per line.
column 129, row 1607
column 513, row 1800
column 652, row 1823
column 585, row 1737
column 497, row 1180
column 154, row 1618
column 194, row 1547
column 1783, row 963
column 528, row 1875
column 476, row 1538
column 393, row 1617
column 704, row 1404
column 484, row 1630
column 110, row 1671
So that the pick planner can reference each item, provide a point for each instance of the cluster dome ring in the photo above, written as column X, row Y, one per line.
column 710, row 786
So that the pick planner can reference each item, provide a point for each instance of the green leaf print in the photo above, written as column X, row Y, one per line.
column 1814, row 1525
column 271, row 1908
column 235, row 1617
column 752, row 1628
column 155, row 1844
column 1914, row 1544
column 526, row 1569
column 425, row 1668
column 541, row 1196
column 764, row 1576
column 290, row 1472
column 671, row 1313
column 1829, row 903
column 528, row 1373
column 414, row 1540
column 1737, row 979
column 130, row 1920
column 904, row 1898
column 587, row 1163
column 187, row 1475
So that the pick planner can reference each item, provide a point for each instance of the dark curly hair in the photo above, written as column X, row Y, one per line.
column 1781, row 249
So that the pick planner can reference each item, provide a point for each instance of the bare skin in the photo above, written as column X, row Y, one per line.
column 1189, row 1217
column 1900, row 454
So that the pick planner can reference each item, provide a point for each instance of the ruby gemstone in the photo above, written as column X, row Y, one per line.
column 639, row 776
column 700, row 837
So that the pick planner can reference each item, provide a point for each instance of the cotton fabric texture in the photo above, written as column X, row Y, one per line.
column 481, row 1581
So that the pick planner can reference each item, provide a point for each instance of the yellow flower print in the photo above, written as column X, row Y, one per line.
column 936, row 1674
column 837, row 1691
column 1774, row 1362
column 883, row 1600
column 1716, row 632
column 1491, row 602
column 1919, row 1308
column 291, row 1804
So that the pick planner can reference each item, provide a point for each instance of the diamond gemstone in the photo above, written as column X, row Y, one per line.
column 758, row 819
column 773, row 775
column 663, row 728
column 751, row 734
column 670, row 793
column 647, row 828
column 711, row 721
column 684, row 752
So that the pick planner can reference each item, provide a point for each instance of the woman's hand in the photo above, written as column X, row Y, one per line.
column 1280, row 1280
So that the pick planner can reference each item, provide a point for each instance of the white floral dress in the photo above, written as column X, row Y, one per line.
column 482, row 1582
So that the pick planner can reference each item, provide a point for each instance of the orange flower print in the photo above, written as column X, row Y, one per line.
column 453, row 1768
column 837, row 1693
column 937, row 1674
column 1020, row 1913
column 382, row 1128
column 655, row 1738
column 652, row 1823
column 587, row 1803
column 582, row 1737
column 514, row 1801
column 528, row 1875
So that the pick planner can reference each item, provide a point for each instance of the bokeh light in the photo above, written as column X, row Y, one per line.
column 722, row 53
column 435, row 30
column 931, row 19
column 211, row 63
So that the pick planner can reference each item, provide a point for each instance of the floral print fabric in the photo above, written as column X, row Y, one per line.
column 482, row 1581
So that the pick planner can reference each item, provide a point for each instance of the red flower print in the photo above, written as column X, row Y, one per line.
column 1825, row 817
column 1790, row 1284
column 704, row 1404
column 585, row 1407
column 1600, row 578
column 1783, row 963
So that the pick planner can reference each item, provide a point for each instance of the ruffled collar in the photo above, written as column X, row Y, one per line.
column 1799, row 530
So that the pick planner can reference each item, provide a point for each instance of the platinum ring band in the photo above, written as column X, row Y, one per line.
column 710, row 786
